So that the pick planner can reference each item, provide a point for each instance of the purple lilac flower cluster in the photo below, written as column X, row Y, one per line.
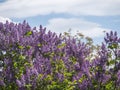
column 32, row 59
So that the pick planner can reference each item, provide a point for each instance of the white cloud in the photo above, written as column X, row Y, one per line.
column 3, row 19
column 60, row 25
column 27, row 8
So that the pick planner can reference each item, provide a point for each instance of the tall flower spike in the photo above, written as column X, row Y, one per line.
column 112, row 38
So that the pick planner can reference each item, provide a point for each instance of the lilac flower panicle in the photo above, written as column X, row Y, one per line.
column 37, row 59
column 112, row 38
column 19, row 83
column 2, row 83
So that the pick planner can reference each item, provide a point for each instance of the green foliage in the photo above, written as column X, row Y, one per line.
column 61, row 45
column 109, row 86
column 28, row 33
column 113, row 46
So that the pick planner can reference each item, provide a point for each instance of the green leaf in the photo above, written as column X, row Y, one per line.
column 82, row 78
column 21, row 57
column 28, row 86
column 113, row 46
column 20, row 47
column 49, row 78
column 28, row 33
column 28, row 47
column 52, row 54
column 109, row 85
column 39, row 45
column 62, row 45
column 73, row 59
column 15, row 64
column 110, row 46
column 111, row 62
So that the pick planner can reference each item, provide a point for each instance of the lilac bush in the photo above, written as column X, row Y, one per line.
column 32, row 59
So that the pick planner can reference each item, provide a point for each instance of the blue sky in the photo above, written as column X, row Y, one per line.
column 90, row 17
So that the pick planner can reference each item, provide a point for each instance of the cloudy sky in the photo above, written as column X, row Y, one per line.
column 90, row 17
